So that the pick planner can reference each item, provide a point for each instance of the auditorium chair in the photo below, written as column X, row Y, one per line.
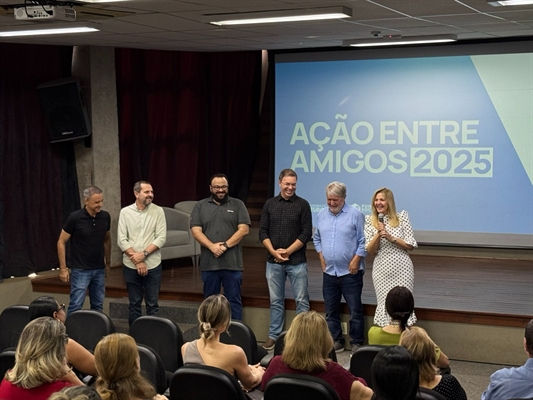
column 361, row 362
column 12, row 321
column 521, row 398
column 88, row 327
column 163, row 336
column 7, row 360
column 296, row 386
column 203, row 382
column 153, row 368
column 242, row 335
column 428, row 394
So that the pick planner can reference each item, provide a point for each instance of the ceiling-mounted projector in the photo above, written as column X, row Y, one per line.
column 45, row 13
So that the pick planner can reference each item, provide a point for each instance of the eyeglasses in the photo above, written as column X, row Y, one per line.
column 61, row 307
column 220, row 187
column 65, row 337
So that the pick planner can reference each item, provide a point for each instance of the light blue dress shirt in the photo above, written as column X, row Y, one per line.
column 508, row 383
column 340, row 237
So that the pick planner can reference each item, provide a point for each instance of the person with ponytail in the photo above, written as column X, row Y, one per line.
column 400, row 306
column 119, row 371
column 214, row 316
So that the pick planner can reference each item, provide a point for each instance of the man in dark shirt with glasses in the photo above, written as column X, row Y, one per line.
column 284, row 230
column 219, row 223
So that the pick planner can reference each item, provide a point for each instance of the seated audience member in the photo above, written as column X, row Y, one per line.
column 77, row 356
column 307, row 347
column 394, row 374
column 76, row 393
column 40, row 364
column 400, row 305
column 119, row 370
column 422, row 348
column 509, row 383
column 214, row 316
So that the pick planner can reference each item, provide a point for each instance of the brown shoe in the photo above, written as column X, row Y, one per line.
column 269, row 344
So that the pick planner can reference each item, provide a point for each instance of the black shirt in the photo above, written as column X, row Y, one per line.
column 87, row 236
column 284, row 221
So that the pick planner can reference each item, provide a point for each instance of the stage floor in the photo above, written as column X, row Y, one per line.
column 453, row 289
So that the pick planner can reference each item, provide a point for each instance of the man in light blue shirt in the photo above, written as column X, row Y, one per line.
column 511, row 383
column 340, row 242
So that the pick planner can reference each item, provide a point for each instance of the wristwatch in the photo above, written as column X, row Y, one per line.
column 146, row 254
column 225, row 245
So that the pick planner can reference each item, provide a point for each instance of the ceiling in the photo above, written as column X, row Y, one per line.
column 182, row 24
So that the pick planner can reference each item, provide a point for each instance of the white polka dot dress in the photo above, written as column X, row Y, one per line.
column 392, row 265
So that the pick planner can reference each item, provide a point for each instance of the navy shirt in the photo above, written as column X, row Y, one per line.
column 284, row 221
column 87, row 236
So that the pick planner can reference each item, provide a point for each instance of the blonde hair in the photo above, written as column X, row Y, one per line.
column 76, row 393
column 419, row 344
column 119, row 375
column 307, row 343
column 40, row 355
column 391, row 207
column 214, row 314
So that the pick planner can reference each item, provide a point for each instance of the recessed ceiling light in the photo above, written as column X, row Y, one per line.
column 267, row 17
column 47, row 31
column 510, row 3
column 395, row 41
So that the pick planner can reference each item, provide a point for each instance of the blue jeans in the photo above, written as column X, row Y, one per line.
column 276, row 275
column 231, row 281
column 143, row 286
column 350, row 286
column 80, row 280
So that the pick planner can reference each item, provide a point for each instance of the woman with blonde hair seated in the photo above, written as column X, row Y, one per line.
column 77, row 355
column 419, row 344
column 307, row 347
column 40, row 364
column 119, row 370
column 214, row 316
column 76, row 393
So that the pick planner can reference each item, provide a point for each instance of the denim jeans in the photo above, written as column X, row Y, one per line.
column 231, row 281
column 276, row 275
column 350, row 286
column 143, row 286
column 80, row 280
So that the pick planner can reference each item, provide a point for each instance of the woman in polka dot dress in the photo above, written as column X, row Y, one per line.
column 390, row 235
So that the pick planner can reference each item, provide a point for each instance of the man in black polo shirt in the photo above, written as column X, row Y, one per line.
column 284, row 230
column 90, row 251
column 219, row 223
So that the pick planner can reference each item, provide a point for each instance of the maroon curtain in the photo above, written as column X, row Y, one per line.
column 184, row 116
column 32, row 171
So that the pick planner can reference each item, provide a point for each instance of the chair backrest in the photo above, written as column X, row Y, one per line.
column 88, row 327
column 242, row 335
column 295, row 386
column 521, row 398
column 152, row 367
column 280, row 345
column 428, row 394
column 163, row 336
column 202, row 382
column 12, row 321
column 361, row 362
column 185, row 206
column 7, row 360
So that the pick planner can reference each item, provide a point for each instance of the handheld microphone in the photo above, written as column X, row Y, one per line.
column 380, row 217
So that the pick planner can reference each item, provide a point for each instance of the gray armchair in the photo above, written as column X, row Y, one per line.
column 180, row 242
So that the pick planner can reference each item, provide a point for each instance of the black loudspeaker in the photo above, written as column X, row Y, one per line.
column 64, row 110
